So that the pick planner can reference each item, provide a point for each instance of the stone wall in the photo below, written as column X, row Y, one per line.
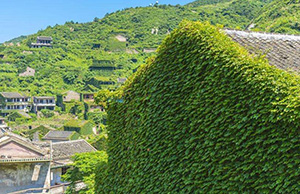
column 21, row 176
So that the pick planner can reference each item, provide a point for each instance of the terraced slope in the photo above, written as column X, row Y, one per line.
column 280, row 16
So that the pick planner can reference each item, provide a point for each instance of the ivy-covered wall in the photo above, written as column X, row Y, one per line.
column 205, row 117
column 81, row 127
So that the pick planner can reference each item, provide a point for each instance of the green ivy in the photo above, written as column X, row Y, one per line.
column 205, row 117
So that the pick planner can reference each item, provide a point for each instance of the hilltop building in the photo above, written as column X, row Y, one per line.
column 121, row 80
column 42, row 41
column 29, row 72
column 69, row 96
column 43, row 102
column 88, row 97
column 13, row 101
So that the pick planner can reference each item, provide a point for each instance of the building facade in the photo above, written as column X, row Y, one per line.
column 42, row 41
column 43, row 102
column 13, row 101
column 24, row 165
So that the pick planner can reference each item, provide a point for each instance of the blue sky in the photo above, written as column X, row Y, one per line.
column 24, row 17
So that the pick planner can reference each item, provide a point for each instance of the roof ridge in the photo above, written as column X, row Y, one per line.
column 71, row 141
column 74, row 141
column 264, row 35
column 23, row 142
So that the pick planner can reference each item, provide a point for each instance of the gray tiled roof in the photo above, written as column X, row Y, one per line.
column 24, row 114
column 67, row 149
column 44, row 38
column 11, row 95
column 282, row 51
column 121, row 80
column 44, row 97
column 62, row 135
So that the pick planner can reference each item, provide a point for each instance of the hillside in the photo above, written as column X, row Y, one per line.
column 204, row 116
column 16, row 40
column 280, row 16
column 124, row 39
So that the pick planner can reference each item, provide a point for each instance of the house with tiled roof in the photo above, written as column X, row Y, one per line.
column 35, row 166
column 29, row 72
column 57, row 136
column 13, row 101
column 43, row 102
column 42, row 41
column 62, row 153
column 24, row 165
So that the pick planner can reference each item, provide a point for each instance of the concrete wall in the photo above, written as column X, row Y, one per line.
column 21, row 176
column 56, row 176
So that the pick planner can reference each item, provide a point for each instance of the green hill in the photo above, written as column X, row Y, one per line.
column 205, row 117
column 280, row 16
column 126, row 36
column 16, row 40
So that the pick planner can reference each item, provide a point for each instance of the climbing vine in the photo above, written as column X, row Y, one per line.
column 205, row 117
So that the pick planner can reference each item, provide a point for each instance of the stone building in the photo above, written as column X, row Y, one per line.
column 42, row 41
column 13, row 101
column 29, row 72
column 43, row 102
column 34, row 166
column 24, row 165
column 121, row 80
column 58, row 136
column 62, row 153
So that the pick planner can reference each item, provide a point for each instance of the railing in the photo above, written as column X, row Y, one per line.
column 7, row 160
column 44, row 104
column 78, row 185
column 39, row 190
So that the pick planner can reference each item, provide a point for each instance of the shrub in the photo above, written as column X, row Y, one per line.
column 47, row 113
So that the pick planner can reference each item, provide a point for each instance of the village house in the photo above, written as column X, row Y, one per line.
column 69, row 96
column 36, row 166
column 95, row 107
column 121, row 80
column 24, row 165
column 62, row 153
column 42, row 41
column 66, row 98
column 29, row 72
column 43, row 102
column 58, row 136
column 88, row 97
column 13, row 101
column 149, row 50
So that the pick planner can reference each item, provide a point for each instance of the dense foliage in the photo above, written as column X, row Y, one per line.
column 205, row 117
column 83, row 169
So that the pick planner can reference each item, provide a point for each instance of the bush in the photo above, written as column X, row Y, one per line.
column 47, row 113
